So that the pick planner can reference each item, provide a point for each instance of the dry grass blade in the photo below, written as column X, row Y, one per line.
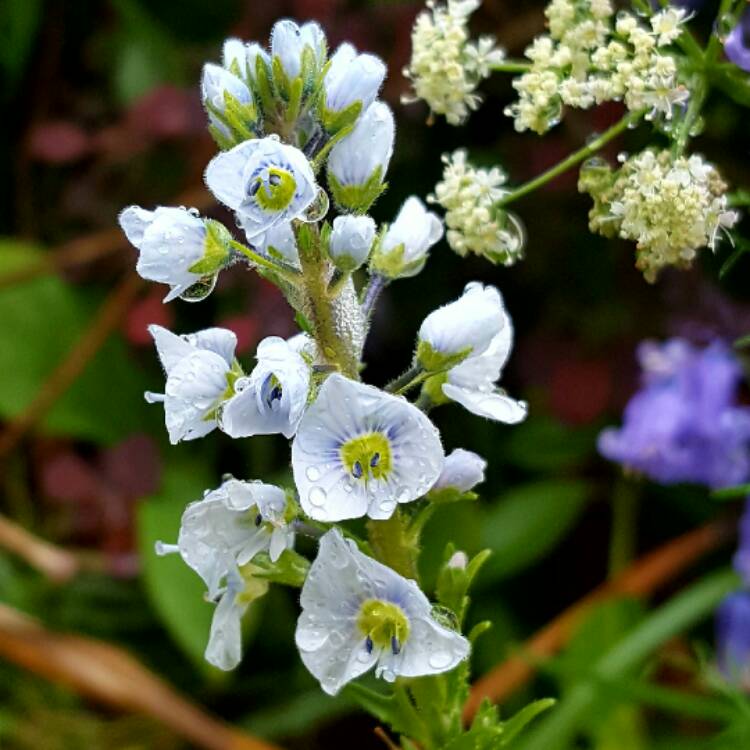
column 645, row 576
column 112, row 677
column 65, row 374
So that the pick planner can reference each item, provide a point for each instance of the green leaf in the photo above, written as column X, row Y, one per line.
column 520, row 720
column 527, row 522
column 732, row 493
column 19, row 22
column 42, row 319
column 544, row 444
column 175, row 590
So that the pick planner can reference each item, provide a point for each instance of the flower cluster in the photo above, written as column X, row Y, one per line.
column 446, row 66
column 685, row 424
column 475, row 222
column 671, row 207
column 592, row 56
column 280, row 117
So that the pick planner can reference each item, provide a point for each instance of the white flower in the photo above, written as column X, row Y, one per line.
column 667, row 24
column 463, row 470
column 357, row 613
column 368, row 148
column 264, row 181
column 461, row 329
column 273, row 397
column 351, row 78
column 473, row 382
column 445, row 66
column 278, row 243
column 234, row 53
column 475, row 223
column 359, row 451
column 199, row 369
column 218, row 535
column 351, row 240
column 289, row 40
column 253, row 52
column 170, row 241
column 215, row 84
column 403, row 250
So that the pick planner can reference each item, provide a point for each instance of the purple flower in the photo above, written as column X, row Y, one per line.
column 684, row 425
column 736, row 44
column 742, row 556
column 733, row 637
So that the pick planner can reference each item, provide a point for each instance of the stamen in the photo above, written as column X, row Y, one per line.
column 357, row 470
column 274, row 179
column 395, row 645
column 368, row 644
column 255, row 187
column 375, row 460
column 258, row 519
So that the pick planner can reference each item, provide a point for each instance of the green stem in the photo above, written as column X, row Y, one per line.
column 285, row 272
column 727, row 8
column 511, row 66
column 332, row 346
column 394, row 545
column 623, row 535
column 404, row 382
column 699, row 91
column 676, row 616
column 573, row 159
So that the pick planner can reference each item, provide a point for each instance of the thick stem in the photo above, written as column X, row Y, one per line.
column 573, row 159
column 332, row 346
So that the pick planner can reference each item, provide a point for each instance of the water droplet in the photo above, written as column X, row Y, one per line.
column 440, row 659
column 387, row 506
column 317, row 496
column 312, row 473
column 403, row 495
column 200, row 290
column 318, row 208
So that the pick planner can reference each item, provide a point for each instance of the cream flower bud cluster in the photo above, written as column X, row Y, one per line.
column 591, row 56
column 670, row 207
column 475, row 225
column 446, row 66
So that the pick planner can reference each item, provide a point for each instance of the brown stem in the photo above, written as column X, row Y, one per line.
column 640, row 579
column 65, row 374
column 112, row 677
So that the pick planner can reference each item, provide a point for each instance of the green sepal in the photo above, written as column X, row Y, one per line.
column 357, row 198
column 307, row 239
column 333, row 120
column 385, row 708
column 304, row 324
column 238, row 118
column 280, row 80
column 216, row 252
column 450, row 495
column 289, row 570
column 453, row 582
column 295, row 101
column 521, row 719
column 307, row 71
column 391, row 264
column 433, row 389
column 222, row 141
column 255, row 587
column 435, row 361
column 479, row 630
column 261, row 86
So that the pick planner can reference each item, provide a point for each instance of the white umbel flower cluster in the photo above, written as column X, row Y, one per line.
column 671, row 207
column 591, row 56
column 446, row 66
column 475, row 223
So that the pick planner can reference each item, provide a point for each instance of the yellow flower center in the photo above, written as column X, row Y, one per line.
column 275, row 190
column 367, row 456
column 383, row 624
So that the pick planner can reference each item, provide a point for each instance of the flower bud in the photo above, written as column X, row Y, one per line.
column 176, row 246
column 228, row 102
column 351, row 240
column 350, row 79
column 288, row 42
column 403, row 250
column 234, row 57
column 460, row 329
column 462, row 471
column 358, row 163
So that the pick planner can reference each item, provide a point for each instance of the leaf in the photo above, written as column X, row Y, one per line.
column 544, row 444
column 19, row 21
column 520, row 720
column 175, row 590
column 527, row 522
column 41, row 320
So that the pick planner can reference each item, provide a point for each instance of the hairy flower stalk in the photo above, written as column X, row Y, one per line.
column 283, row 118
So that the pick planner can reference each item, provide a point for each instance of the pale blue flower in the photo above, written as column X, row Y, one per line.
column 351, row 78
column 288, row 40
column 351, row 241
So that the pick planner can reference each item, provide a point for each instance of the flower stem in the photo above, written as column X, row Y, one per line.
column 624, row 532
column 511, row 66
column 575, row 158
column 405, row 381
column 287, row 273
column 372, row 293
column 699, row 91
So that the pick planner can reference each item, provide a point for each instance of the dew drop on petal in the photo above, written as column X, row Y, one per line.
column 200, row 290
column 317, row 209
column 312, row 473
column 317, row 496
column 440, row 659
